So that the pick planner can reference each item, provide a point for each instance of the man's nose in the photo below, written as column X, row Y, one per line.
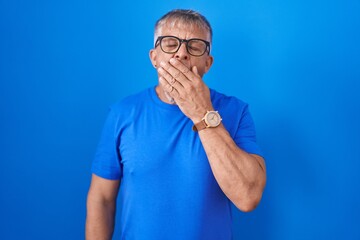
column 182, row 53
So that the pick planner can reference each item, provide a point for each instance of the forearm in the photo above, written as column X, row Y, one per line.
column 99, row 219
column 240, row 175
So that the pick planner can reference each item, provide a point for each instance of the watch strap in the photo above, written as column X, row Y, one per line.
column 199, row 126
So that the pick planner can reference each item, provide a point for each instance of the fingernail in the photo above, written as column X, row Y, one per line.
column 162, row 64
column 172, row 60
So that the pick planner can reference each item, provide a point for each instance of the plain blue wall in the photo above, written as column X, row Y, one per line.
column 62, row 63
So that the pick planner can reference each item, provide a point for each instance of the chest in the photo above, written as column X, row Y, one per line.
column 158, row 146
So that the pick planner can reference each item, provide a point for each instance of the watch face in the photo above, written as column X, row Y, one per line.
column 213, row 119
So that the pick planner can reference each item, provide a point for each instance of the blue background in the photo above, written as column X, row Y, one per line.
column 62, row 63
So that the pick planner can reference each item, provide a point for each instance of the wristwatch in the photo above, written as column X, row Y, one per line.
column 211, row 119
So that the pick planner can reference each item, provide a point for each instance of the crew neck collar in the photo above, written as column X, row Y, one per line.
column 159, row 102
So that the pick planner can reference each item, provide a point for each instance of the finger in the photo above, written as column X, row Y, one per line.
column 174, row 85
column 181, row 91
column 171, row 90
column 195, row 71
column 166, row 86
column 176, row 73
column 183, row 69
column 169, row 78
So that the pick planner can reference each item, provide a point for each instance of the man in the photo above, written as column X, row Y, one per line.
column 181, row 151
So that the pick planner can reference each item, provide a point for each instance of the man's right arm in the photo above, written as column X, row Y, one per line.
column 101, row 206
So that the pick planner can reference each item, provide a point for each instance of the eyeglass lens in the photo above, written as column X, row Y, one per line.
column 194, row 46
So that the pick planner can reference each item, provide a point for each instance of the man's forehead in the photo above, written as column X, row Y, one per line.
column 183, row 30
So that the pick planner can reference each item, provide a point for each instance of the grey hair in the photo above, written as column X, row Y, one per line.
column 189, row 17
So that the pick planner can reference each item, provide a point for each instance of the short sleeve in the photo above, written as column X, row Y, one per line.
column 245, row 136
column 106, row 163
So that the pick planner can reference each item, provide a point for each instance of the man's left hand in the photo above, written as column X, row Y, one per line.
column 186, row 87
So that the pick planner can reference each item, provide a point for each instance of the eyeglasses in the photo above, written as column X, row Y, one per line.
column 194, row 46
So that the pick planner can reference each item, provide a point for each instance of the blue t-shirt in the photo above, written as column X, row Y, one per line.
column 167, row 189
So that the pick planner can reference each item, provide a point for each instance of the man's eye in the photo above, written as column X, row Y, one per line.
column 194, row 48
column 171, row 45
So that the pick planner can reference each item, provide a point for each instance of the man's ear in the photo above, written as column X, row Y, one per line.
column 208, row 63
column 152, row 55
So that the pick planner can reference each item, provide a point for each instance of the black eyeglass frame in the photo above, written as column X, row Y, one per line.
column 186, row 41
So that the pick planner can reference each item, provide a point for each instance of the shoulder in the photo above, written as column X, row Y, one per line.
column 131, row 103
column 227, row 103
column 233, row 111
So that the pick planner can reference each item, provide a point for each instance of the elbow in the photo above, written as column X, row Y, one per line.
column 249, row 200
column 247, row 205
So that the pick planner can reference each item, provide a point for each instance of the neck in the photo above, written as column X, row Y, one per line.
column 164, row 96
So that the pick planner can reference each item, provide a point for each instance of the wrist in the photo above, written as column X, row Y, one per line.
column 200, row 115
column 211, row 119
